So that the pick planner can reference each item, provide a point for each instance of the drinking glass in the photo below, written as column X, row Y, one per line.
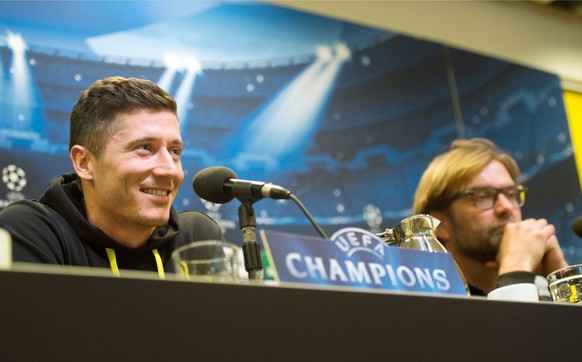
column 210, row 260
column 566, row 284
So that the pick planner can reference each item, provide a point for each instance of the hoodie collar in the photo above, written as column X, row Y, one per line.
column 65, row 196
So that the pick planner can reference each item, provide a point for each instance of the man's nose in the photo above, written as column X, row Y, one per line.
column 166, row 163
column 504, row 203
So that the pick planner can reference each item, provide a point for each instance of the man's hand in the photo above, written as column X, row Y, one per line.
column 530, row 245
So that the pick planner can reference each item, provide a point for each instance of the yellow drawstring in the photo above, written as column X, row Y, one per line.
column 113, row 261
column 159, row 264
column 115, row 268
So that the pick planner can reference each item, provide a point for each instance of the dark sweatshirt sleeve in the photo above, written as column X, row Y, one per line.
column 519, row 277
column 516, row 277
column 34, row 236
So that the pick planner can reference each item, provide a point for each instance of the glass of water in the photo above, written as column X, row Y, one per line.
column 210, row 260
column 566, row 284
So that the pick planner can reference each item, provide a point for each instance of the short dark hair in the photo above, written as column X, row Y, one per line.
column 95, row 116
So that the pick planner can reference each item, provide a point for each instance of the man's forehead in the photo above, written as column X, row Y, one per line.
column 494, row 174
column 148, row 126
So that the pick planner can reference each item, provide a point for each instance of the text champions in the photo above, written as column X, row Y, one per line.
column 370, row 273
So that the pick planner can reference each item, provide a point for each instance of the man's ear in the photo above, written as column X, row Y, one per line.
column 83, row 161
column 444, row 229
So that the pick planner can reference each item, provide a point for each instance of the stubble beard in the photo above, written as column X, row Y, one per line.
column 479, row 245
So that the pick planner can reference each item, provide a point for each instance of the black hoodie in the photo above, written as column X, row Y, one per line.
column 54, row 230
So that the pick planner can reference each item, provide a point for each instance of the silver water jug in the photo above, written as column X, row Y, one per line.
column 415, row 232
column 418, row 232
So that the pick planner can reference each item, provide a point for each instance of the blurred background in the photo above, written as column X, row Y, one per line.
column 344, row 114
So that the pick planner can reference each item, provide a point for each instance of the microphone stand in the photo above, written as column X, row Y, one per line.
column 248, row 224
column 251, row 248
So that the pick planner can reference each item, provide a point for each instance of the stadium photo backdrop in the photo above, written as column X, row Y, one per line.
column 345, row 116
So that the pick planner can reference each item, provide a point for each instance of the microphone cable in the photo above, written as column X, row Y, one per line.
column 308, row 215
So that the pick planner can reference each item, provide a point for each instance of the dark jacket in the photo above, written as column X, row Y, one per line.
column 54, row 230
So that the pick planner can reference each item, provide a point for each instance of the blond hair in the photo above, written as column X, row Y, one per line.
column 452, row 170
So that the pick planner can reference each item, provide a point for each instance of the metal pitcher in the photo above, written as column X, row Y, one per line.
column 418, row 232
column 415, row 232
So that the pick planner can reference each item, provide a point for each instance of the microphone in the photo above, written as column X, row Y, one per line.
column 220, row 185
column 577, row 226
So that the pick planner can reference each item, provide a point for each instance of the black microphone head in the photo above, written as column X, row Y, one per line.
column 577, row 226
column 209, row 184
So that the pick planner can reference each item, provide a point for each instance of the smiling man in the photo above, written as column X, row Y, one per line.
column 116, row 210
column 474, row 190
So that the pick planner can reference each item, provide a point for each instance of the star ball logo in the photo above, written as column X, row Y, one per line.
column 14, row 177
column 15, row 180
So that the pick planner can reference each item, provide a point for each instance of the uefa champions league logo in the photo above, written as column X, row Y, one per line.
column 15, row 180
column 14, row 177
column 373, row 217
column 353, row 240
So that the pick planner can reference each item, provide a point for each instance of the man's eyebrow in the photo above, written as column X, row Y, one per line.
column 142, row 139
column 480, row 186
column 176, row 142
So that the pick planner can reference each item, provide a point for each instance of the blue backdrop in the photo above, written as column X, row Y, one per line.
column 345, row 116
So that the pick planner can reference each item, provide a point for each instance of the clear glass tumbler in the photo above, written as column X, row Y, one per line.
column 210, row 260
column 566, row 284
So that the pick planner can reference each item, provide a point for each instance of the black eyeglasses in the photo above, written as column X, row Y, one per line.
column 486, row 197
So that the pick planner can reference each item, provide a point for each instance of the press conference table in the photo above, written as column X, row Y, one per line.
column 56, row 315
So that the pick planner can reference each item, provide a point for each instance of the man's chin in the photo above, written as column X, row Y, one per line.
column 482, row 255
column 158, row 220
column 495, row 239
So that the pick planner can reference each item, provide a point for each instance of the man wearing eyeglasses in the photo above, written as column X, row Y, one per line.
column 474, row 190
